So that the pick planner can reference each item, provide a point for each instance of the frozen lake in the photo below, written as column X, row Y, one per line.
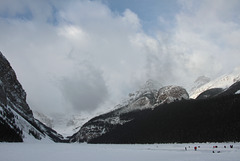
column 101, row 152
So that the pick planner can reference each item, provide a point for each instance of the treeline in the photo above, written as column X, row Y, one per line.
column 7, row 134
column 207, row 120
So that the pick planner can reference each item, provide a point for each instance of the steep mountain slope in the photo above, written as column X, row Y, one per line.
column 16, row 118
column 144, row 99
column 223, row 82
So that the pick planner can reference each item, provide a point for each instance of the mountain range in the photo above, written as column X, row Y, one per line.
column 168, row 116
column 153, row 114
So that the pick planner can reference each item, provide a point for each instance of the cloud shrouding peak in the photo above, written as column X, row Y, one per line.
column 86, row 89
column 82, row 56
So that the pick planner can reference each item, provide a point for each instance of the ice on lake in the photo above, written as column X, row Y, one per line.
column 113, row 152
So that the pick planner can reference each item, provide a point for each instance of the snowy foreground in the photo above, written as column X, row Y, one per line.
column 92, row 152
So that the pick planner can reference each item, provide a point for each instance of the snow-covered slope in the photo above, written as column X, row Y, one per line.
column 224, row 81
column 143, row 99
column 16, row 118
column 64, row 125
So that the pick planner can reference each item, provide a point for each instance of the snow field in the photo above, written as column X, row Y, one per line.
column 102, row 152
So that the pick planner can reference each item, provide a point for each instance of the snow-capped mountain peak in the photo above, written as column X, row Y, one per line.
column 200, row 81
column 223, row 82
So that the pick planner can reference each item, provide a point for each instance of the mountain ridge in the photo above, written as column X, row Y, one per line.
column 16, row 117
column 223, row 82
column 152, row 114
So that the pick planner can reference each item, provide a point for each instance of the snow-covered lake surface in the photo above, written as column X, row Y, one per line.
column 100, row 152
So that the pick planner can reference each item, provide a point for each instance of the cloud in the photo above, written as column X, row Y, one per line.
column 130, row 17
column 80, row 56
column 48, row 57
column 198, row 44
column 73, row 33
column 86, row 89
column 201, row 35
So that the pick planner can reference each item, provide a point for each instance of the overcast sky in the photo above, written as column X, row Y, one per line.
column 86, row 55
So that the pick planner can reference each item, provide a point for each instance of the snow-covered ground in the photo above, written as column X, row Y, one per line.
column 100, row 152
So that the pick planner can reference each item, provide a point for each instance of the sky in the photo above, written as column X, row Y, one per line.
column 85, row 56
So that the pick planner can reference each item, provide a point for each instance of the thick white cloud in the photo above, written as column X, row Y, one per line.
column 203, row 34
column 50, row 60
column 81, row 56
column 202, row 42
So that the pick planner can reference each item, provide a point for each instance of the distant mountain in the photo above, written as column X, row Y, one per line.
column 146, row 98
column 221, row 82
column 152, row 114
column 65, row 125
column 200, row 81
column 17, row 123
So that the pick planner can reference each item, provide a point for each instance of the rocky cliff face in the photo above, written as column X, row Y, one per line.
column 170, row 94
column 12, row 88
column 144, row 99
column 16, row 118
